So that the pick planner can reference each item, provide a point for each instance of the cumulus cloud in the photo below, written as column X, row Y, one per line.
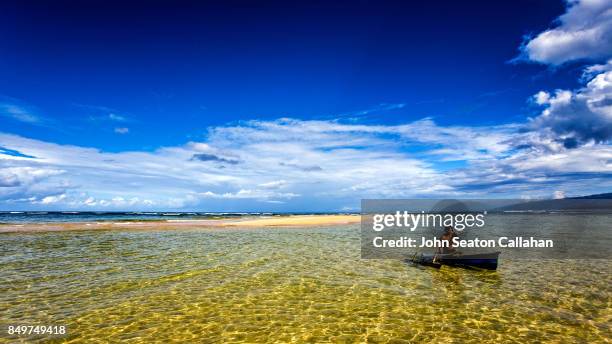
column 17, row 176
column 573, row 118
column 581, row 116
column 28, row 183
column 583, row 32
column 52, row 199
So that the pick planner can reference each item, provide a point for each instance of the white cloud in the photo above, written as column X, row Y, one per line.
column 199, row 147
column 19, row 113
column 90, row 201
column 17, row 176
column 573, row 118
column 29, row 183
column 116, row 202
column 583, row 32
column 277, row 184
column 581, row 116
column 116, row 118
column 250, row 194
column 122, row 130
column 316, row 164
column 585, row 159
column 558, row 194
column 53, row 199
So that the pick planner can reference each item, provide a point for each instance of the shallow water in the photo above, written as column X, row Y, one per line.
column 285, row 285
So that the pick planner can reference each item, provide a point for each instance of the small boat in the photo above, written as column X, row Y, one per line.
column 486, row 261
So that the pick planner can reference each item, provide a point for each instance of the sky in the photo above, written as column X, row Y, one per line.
column 301, row 106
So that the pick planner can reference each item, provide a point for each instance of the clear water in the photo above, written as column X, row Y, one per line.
column 285, row 285
column 85, row 216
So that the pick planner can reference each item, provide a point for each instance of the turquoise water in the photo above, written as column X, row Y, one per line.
column 285, row 285
column 95, row 216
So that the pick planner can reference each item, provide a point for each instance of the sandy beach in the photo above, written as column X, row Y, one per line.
column 263, row 221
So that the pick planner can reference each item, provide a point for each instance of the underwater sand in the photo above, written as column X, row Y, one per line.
column 302, row 285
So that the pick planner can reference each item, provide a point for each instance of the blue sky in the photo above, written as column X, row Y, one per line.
column 288, row 106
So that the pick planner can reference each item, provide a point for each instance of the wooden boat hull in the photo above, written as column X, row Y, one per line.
column 486, row 261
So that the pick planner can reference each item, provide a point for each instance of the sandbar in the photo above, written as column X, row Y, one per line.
column 246, row 222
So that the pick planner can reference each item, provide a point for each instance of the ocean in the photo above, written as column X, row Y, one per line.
column 97, row 216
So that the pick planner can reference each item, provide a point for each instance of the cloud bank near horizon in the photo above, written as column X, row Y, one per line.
column 290, row 161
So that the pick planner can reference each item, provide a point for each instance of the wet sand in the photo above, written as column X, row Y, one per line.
column 263, row 221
